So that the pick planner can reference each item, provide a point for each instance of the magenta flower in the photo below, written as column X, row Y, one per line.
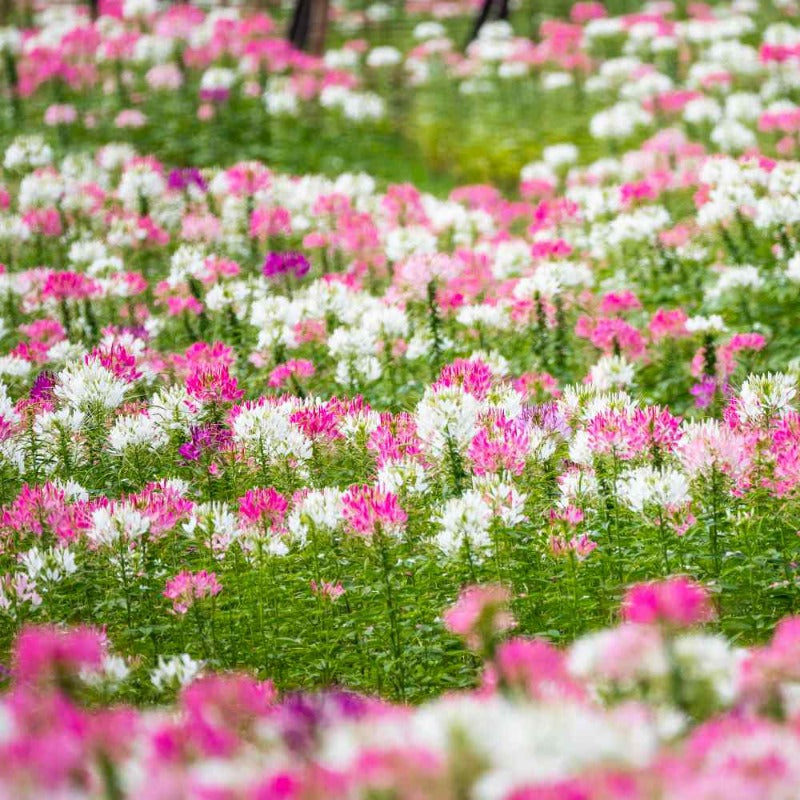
column 182, row 179
column 766, row 669
column 395, row 438
column 222, row 711
column 327, row 590
column 704, row 391
column 536, row 668
column 68, row 286
column 213, row 436
column 500, row 444
column 187, row 587
column 675, row 602
column 479, row 614
column 47, row 653
column 288, row 263
column 213, row 384
column 42, row 388
column 117, row 360
column 367, row 509
column 473, row 376
column 262, row 507
column 216, row 95
column 299, row 368
column 265, row 222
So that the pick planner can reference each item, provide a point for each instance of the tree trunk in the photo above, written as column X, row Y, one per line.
column 490, row 8
column 318, row 26
column 298, row 29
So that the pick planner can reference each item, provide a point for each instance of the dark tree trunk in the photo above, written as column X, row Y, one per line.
column 318, row 26
column 298, row 29
column 490, row 9
column 309, row 25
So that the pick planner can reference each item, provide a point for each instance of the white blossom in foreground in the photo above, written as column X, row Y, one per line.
column 89, row 385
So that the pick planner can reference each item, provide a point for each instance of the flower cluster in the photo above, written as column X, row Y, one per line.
column 367, row 392
column 632, row 711
column 186, row 588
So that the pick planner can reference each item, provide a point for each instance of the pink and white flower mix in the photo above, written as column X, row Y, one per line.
column 271, row 443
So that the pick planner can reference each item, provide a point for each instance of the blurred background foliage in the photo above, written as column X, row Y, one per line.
column 434, row 136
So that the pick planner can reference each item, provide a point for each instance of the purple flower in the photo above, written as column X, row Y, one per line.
column 184, row 178
column 547, row 416
column 301, row 716
column 139, row 331
column 704, row 391
column 42, row 388
column 214, row 95
column 349, row 704
column 189, row 451
column 277, row 264
column 212, row 436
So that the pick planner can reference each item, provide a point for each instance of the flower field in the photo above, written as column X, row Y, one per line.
column 417, row 420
